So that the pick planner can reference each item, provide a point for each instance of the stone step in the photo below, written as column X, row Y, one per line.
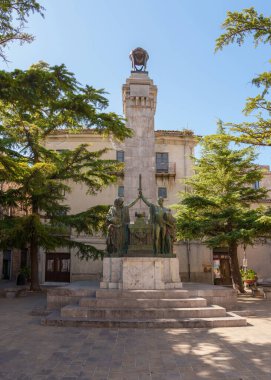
column 59, row 297
column 122, row 293
column 76, row 311
column 142, row 303
column 230, row 320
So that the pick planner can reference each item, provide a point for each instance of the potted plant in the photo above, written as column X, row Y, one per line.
column 249, row 276
column 23, row 276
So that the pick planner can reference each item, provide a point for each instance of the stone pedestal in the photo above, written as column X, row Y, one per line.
column 148, row 273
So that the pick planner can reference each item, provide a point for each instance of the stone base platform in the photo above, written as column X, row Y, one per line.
column 231, row 320
column 214, row 294
column 141, row 273
column 71, row 294
column 173, row 308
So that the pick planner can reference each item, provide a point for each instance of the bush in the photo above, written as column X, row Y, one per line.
column 25, row 271
column 249, row 274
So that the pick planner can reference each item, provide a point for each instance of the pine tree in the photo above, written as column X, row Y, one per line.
column 33, row 104
column 238, row 26
column 217, row 207
column 13, row 18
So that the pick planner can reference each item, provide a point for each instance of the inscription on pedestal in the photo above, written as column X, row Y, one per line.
column 141, row 240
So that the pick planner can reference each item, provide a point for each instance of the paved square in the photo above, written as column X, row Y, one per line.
column 31, row 351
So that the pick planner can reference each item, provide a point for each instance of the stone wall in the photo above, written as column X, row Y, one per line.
column 196, row 262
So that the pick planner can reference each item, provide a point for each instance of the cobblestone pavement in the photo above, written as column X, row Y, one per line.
column 31, row 351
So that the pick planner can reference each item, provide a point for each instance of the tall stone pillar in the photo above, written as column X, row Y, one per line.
column 139, row 104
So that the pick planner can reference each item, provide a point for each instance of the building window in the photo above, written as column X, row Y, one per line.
column 162, row 192
column 162, row 162
column 6, row 270
column 120, row 155
column 256, row 185
column 121, row 191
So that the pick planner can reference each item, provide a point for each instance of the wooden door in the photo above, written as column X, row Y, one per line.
column 57, row 267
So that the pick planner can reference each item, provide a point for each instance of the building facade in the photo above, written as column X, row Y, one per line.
column 163, row 159
column 172, row 164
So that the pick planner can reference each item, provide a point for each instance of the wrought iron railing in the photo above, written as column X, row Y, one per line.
column 166, row 168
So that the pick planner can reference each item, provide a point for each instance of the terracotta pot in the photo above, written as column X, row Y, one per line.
column 250, row 282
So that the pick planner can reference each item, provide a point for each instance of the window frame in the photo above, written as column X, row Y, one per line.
column 165, row 192
column 120, row 155
column 162, row 162
column 121, row 191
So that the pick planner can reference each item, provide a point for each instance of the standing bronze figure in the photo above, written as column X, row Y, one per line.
column 158, row 221
column 118, row 220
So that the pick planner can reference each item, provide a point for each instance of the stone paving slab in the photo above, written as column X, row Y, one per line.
column 34, row 352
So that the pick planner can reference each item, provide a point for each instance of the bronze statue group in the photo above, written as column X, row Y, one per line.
column 161, row 220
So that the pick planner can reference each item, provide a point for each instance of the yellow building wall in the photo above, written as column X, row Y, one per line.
column 180, row 150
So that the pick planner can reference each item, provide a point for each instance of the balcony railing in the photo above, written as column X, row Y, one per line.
column 166, row 169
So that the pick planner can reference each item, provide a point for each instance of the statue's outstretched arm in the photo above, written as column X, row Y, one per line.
column 145, row 200
column 133, row 203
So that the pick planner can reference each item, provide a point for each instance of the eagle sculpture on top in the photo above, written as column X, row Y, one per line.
column 139, row 58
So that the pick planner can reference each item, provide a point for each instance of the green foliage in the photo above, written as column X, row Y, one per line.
column 26, row 272
column 248, row 274
column 217, row 206
column 34, row 179
column 52, row 232
column 238, row 26
column 13, row 18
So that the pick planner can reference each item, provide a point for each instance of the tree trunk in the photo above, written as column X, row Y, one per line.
column 235, row 270
column 34, row 250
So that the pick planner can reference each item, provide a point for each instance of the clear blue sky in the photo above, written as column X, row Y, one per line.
column 195, row 86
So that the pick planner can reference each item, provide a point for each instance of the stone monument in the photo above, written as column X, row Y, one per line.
column 140, row 254
column 139, row 104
